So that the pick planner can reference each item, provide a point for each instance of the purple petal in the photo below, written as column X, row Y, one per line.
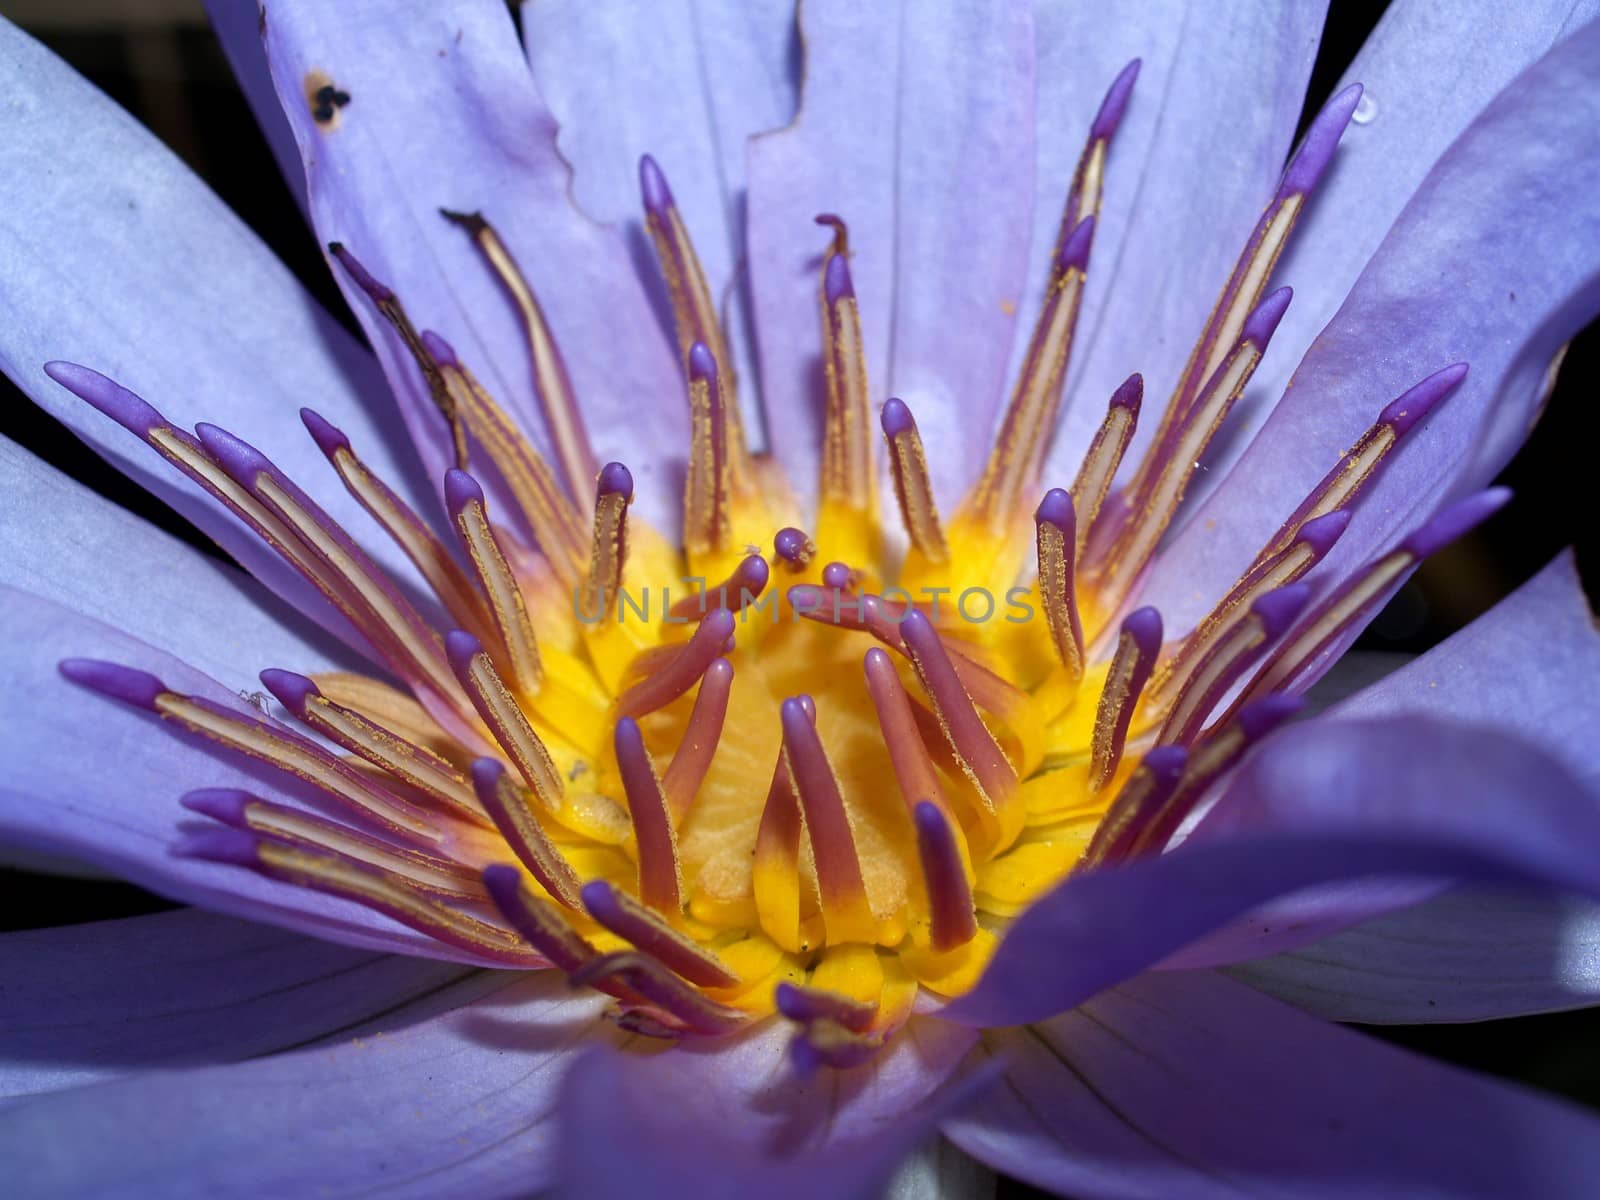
column 443, row 113
column 1466, row 956
column 1191, row 1085
column 190, row 988
column 454, row 1095
column 689, row 88
column 775, row 1134
column 1425, row 79
column 917, row 129
column 1493, row 262
column 1194, row 162
column 237, row 24
column 1320, row 802
column 120, row 259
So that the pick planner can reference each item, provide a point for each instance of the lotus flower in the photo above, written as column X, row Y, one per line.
column 969, row 752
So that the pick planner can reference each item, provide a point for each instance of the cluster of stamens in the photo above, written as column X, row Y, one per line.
column 795, row 787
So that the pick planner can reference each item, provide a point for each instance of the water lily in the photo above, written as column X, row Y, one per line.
column 817, row 661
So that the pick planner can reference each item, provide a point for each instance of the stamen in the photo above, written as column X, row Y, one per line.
column 255, row 738
column 745, row 584
column 1057, row 541
column 808, row 1004
column 609, row 548
column 952, row 921
column 1099, row 466
column 654, row 822
column 696, row 1012
column 399, row 520
column 1137, row 804
column 421, row 768
column 335, row 875
column 913, row 766
column 551, row 517
column 848, row 491
column 706, row 518
column 846, row 913
column 826, row 1043
column 507, row 805
column 1361, row 594
column 500, row 711
column 536, row 919
column 1315, row 538
column 1151, row 509
column 1137, row 647
column 775, row 876
column 507, row 608
column 683, row 671
column 908, row 465
column 388, row 304
column 794, row 548
column 563, row 416
column 1359, row 465
column 629, row 920
column 1083, row 199
column 692, row 759
column 1030, row 418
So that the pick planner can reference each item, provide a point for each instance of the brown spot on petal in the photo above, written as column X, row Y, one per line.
column 324, row 98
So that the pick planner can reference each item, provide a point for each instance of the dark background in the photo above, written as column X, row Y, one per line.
column 158, row 60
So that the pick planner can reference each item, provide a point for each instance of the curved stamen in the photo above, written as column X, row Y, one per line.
column 698, row 745
column 680, row 674
column 1083, row 199
column 913, row 488
column 507, row 608
column 952, row 921
column 609, row 546
column 847, row 489
column 498, row 708
column 742, row 587
column 631, row 921
column 913, row 766
column 1142, row 797
column 508, row 807
column 808, row 1004
column 707, row 490
column 775, row 871
column 1137, row 647
column 654, row 823
column 1057, row 540
column 1099, row 466
column 536, row 919
column 643, row 975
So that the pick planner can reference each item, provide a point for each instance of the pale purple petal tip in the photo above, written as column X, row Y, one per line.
column 1455, row 519
column 232, row 846
column 653, row 186
column 107, row 395
column 330, row 439
column 1144, row 625
column 615, row 480
column 1056, row 509
column 836, row 283
column 460, row 490
column 1416, row 402
column 1279, row 607
column 292, row 690
column 702, row 364
column 379, row 293
column 1316, row 151
column 1130, row 394
column 790, row 543
column 896, row 417
column 128, row 684
column 441, row 351
column 1263, row 320
column 238, row 458
column 461, row 648
column 1261, row 717
column 1320, row 533
column 220, row 804
column 1075, row 247
column 1115, row 103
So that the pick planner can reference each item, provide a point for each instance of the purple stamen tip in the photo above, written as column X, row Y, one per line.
column 702, row 364
column 793, row 714
column 460, row 490
column 232, row 846
column 1166, row 763
column 1416, row 402
column 807, row 706
column 1320, row 142
column 836, row 575
column 1279, row 607
column 486, row 773
column 237, row 457
column 330, row 439
column 929, row 820
column 503, row 883
column 441, row 351
column 1115, row 103
column 719, row 624
column 1130, row 394
column 1456, row 519
column 836, row 284
column 793, row 1003
column 599, row 898
column 653, row 186
column 615, row 480
column 896, row 417
column 1320, row 533
column 804, row 1056
column 106, row 395
column 1144, row 626
column 1263, row 320
column 379, row 293
column 128, row 684
column 461, row 648
column 1261, row 717
column 221, row 804
column 1056, row 509
column 1074, row 253
column 292, row 690
column 790, row 544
